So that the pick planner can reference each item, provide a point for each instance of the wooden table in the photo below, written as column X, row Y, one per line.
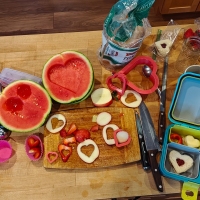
column 22, row 179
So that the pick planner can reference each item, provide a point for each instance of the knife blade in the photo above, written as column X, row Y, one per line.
column 152, row 144
column 143, row 150
column 162, row 115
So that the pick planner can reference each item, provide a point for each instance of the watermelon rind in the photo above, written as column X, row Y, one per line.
column 31, row 105
column 48, row 84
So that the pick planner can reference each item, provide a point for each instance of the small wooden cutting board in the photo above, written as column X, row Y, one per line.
column 109, row 155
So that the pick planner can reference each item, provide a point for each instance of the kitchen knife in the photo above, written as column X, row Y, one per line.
column 162, row 115
column 143, row 150
column 152, row 144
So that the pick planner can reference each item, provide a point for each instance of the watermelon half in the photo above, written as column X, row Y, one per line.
column 68, row 77
column 24, row 106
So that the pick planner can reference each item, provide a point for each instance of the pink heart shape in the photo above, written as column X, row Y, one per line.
column 50, row 155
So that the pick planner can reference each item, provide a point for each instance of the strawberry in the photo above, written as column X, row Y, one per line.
column 36, row 152
column 82, row 135
column 32, row 142
column 63, row 133
column 72, row 128
column 94, row 128
column 65, row 152
column 188, row 33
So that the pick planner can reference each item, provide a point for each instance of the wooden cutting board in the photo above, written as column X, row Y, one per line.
column 109, row 155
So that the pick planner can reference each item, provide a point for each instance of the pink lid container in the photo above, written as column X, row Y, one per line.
column 5, row 151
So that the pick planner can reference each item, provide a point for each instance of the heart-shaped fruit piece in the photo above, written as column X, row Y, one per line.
column 121, row 138
column 59, row 117
column 93, row 156
column 52, row 156
column 65, row 152
column 190, row 141
column 33, row 142
column 163, row 46
column 181, row 163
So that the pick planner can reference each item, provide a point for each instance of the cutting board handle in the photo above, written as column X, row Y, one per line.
column 189, row 187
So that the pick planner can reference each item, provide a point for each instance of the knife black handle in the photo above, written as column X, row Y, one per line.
column 155, row 170
column 161, row 126
column 144, row 153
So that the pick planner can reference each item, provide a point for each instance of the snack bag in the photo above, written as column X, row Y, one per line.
column 124, row 29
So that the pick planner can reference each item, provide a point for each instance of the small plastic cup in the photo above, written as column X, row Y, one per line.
column 194, row 69
column 189, row 54
column 28, row 148
column 5, row 151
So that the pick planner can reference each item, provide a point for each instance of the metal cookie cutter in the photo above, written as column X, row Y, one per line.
column 121, row 75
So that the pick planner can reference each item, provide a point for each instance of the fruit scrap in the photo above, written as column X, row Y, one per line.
column 52, row 156
column 72, row 129
column 103, row 118
column 59, row 117
column 93, row 156
column 68, row 141
column 104, row 132
column 94, row 128
column 175, row 137
column 132, row 104
column 68, row 151
column 81, row 135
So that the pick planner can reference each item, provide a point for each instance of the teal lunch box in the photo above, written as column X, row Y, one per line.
column 184, row 113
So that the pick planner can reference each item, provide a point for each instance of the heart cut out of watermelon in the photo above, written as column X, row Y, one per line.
column 68, row 77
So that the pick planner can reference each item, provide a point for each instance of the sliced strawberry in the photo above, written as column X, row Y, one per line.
column 82, row 135
column 32, row 142
column 72, row 128
column 67, row 141
column 94, row 128
column 65, row 152
column 36, row 152
column 188, row 33
column 63, row 133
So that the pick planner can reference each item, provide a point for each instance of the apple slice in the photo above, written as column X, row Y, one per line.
column 103, row 118
column 101, row 97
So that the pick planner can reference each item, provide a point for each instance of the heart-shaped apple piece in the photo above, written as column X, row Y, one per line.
column 93, row 156
column 52, row 156
column 121, row 138
column 59, row 117
column 190, row 141
column 133, row 104
column 105, row 136
column 181, row 163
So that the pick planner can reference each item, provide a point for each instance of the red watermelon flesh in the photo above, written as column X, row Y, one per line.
column 24, row 106
column 68, row 77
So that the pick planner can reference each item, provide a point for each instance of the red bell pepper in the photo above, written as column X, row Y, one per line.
column 175, row 137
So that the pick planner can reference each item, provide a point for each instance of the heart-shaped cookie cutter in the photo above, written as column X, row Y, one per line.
column 121, row 75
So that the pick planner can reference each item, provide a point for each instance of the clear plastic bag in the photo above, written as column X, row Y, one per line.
column 163, row 46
